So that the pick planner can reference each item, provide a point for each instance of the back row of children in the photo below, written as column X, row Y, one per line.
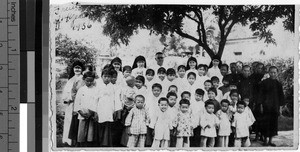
column 158, row 108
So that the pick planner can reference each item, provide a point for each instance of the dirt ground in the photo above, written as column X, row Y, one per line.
column 284, row 139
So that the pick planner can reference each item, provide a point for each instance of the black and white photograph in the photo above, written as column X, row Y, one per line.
column 173, row 76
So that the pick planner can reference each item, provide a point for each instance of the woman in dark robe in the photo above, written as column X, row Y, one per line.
column 270, row 100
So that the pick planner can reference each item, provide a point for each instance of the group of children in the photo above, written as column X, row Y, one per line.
column 137, row 106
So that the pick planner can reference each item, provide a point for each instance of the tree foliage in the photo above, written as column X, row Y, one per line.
column 69, row 51
column 122, row 21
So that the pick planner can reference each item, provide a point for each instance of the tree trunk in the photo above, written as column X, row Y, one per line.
column 209, row 51
column 221, row 49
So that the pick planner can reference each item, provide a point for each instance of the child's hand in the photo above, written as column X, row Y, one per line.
column 152, row 131
column 74, row 113
column 95, row 117
column 173, row 132
column 128, row 130
column 81, row 113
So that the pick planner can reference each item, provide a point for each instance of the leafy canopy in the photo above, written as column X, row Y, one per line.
column 122, row 21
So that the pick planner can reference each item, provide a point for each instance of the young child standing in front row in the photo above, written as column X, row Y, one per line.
column 241, row 123
column 136, row 120
column 183, row 124
column 225, row 117
column 198, row 108
column 152, row 107
column 162, row 124
column 208, row 122
column 85, row 103
column 173, row 110
column 105, row 110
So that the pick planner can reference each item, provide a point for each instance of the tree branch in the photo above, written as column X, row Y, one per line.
column 181, row 33
column 200, row 17
column 191, row 18
column 229, row 29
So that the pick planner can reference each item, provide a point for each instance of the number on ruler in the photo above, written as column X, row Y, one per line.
column 0, row 91
column 1, row 137
column 1, row 67
column 14, row 108
column 1, row 44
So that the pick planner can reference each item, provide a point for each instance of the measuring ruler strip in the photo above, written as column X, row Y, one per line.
column 9, row 75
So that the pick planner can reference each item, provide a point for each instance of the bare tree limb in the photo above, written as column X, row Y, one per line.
column 229, row 28
column 200, row 17
column 188, row 16
column 181, row 33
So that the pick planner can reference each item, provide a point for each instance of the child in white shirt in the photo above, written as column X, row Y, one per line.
column 149, row 81
column 207, row 86
column 85, row 103
column 191, row 65
column 161, row 79
column 225, row 117
column 173, row 88
column 140, row 88
column 241, row 124
column 208, row 122
column 152, row 107
column 171, row 79
column 197, row 108
column 173, row 110
column 181, row 70
column 191, row 86
column 201, row 77
column 162, row 124
column 126, row 72
column 232, row 86
column 105, row 109
column 215, row 81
